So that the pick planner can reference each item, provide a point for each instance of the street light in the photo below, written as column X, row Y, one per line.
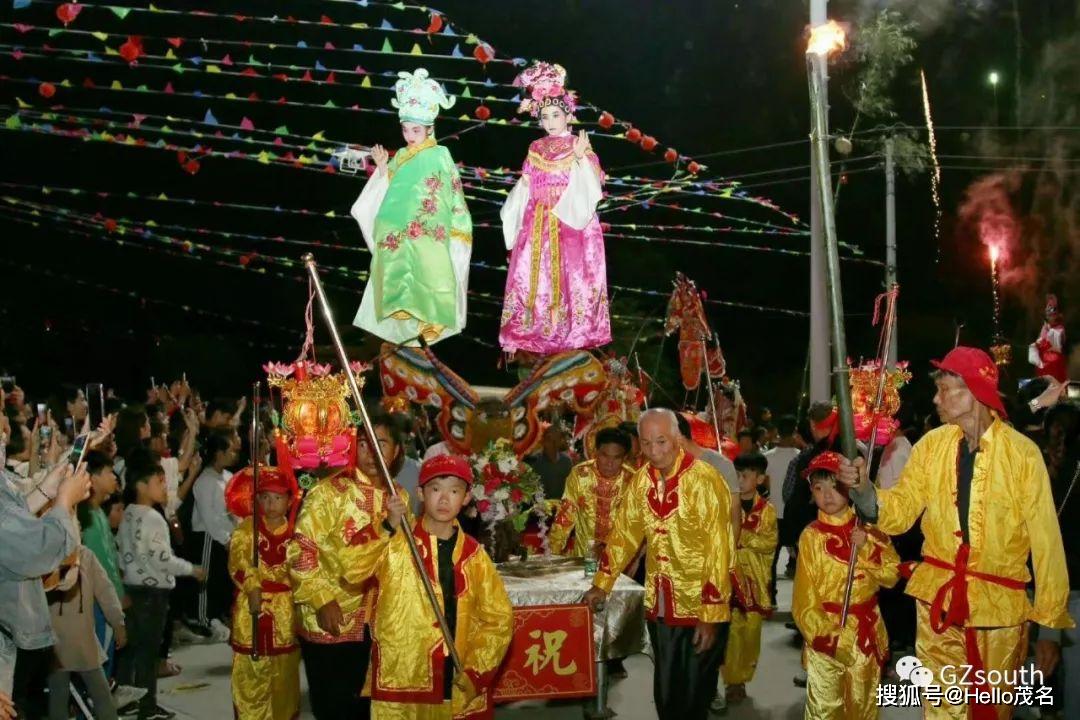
column 993, row 78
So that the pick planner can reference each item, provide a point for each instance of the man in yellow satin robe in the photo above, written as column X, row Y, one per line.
column 412, row 676
column 680, row 508
column 751, row 577
column 594, row 491
column 843, row 662
column 345, row 510
column 984, row 496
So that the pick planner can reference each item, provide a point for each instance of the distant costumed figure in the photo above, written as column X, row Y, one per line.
column 414, row 220
column 1047, row 353
column 556, row 289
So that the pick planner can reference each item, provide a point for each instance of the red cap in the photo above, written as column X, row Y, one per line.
column 978, row 372
column 444, row 465
column 239, row 490
column 827, row 461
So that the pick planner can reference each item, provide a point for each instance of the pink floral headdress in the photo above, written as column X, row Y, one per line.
column 545, row 84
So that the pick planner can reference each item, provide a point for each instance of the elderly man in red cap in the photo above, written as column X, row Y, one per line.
column 983, row 493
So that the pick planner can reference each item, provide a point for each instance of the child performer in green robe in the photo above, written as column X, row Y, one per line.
column 414, row 220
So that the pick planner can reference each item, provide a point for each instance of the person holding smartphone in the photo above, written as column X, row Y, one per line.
column 33, row 546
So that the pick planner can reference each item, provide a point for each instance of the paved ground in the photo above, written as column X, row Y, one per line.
column 202, row 690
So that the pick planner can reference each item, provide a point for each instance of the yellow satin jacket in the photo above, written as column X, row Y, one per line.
column 587, row 509
column 689, row 542
column 276, row 632
column 337, row 514
column 1011, row 516
column 820, row 580
column 752, row 573
column 408, row 652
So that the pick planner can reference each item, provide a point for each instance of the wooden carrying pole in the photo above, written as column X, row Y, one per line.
column 384, row 471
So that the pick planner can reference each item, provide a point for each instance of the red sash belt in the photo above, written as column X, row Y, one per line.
column 866, row 616
column 958, row 612
column 269, row 586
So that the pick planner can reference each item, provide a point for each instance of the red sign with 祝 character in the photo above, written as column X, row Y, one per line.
column 551, row 655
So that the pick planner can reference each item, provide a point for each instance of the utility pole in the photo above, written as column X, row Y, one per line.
column 820, row 374
column 890, row 238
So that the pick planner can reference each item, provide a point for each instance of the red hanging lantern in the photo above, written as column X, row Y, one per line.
column 693, row 167
column 648, row 143
column 67, row 12
column 482, row 112
column 606, row 120
column 633, row 135
column 484, row 53
column 46, row 90
column 670, row 155
column 436, row 24
column 132, row 50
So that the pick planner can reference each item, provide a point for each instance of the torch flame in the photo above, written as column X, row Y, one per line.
column 995, row 252
column 826, row 38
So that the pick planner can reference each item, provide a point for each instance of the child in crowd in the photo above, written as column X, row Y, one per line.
column 98, row 537
column 843, row 663
column 77, row 647
column 408, row 679
column 266, row 667
column 149, row 570
column 750, row 577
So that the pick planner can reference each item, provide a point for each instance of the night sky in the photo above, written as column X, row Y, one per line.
column 710, row 78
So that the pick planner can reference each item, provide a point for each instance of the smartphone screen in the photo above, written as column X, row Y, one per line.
column 95, row 400
column 78, row 449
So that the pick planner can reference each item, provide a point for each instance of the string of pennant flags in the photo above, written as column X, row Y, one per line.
column 124, row 232
column 89, row 80
column 305, row 157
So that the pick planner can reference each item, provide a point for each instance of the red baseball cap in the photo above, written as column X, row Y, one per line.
column 978, row 372
column 827, row 461
column 446, row 465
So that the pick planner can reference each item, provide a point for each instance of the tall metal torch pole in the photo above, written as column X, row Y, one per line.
column 817, row 57
column 384, row 471
column 890, row 240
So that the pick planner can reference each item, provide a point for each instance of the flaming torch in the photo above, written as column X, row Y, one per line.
column 824, row 40
column 1000, row 350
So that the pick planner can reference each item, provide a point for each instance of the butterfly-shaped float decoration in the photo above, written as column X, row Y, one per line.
column 467, row 421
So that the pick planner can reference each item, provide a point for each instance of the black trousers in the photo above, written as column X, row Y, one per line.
column 684, row 683
column 145, row 621
column 335, row 675
column 214, row 597
column 32, row 669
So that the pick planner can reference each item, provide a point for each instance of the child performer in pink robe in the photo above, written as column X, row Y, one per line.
column 556, row 289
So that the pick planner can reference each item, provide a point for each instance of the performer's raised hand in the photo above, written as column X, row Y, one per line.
column 395, row 509
column 581, row 145
column 381, row 157
column 858, row 537
column 853, row 472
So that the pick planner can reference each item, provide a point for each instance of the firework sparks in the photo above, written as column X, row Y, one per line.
column 935, row 177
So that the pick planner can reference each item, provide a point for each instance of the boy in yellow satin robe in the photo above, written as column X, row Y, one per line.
column 411, row 674
column 751, row 576
column 266, row 667
column 843, row 664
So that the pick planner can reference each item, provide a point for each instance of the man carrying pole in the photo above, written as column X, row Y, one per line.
column 983, row 493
